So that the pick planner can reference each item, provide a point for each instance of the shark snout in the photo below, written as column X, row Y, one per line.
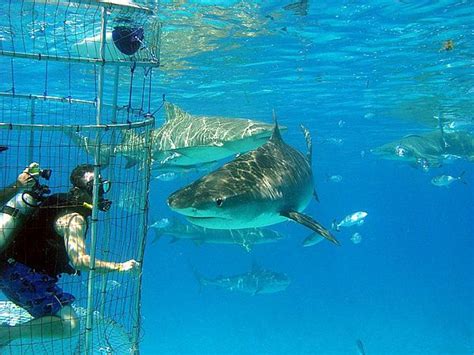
column 174, row 202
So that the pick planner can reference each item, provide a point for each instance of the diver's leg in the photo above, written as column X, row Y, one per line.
column 63, row 324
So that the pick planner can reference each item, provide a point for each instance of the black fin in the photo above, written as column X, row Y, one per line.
column 3, row 148
column 310, row 223
column 276, row 131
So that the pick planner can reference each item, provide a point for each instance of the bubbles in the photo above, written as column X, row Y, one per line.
column 356, row 238
column 167, row 176
column 335, row 178
column 161, row 223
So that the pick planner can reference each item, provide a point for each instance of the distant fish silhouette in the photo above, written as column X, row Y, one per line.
column 360, row 347
column 3, row 147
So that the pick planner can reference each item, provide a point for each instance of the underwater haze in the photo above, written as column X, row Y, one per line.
column 358, row 75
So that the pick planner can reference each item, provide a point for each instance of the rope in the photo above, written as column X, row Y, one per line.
column 132, row 74
column 159, row 108
column 46, row 79
column 13, row 77
column 149, row 91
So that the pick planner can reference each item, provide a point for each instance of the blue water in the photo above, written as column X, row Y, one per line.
column 366, row 74
column 357, row 74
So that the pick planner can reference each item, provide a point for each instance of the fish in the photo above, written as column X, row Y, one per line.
column 184, row 142
column 447, row 180
column 429, row 150
column 3, row 148
column 268, row 185
column 350, row 220
column 246, row 238
column 257, row 281
column 356, row 238
column 334, row 178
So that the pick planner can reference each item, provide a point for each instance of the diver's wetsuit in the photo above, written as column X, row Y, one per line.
column 32, row 263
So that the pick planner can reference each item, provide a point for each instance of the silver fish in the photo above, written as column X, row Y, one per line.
column 447, row 180
column 350, row 220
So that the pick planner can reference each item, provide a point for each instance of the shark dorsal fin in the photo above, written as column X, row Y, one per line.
column 276, row 136
column 174, row 112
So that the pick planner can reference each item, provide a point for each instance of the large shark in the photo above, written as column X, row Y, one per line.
column 268, row 185
column 255, row 282
column 185, row 141
column 429, row 150
column 246, row 238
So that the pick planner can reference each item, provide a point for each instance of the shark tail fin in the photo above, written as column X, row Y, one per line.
column 461, row 178
column 310, row 223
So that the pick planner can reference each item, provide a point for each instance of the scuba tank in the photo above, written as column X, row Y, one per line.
column 14, row 213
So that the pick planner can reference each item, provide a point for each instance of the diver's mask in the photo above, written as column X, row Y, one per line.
column 82, row 179
column 104, row 187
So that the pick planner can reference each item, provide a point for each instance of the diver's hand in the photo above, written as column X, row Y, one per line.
column 25, row 180
column 129, row 265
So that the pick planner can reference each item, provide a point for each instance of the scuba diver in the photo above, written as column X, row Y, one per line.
column 51, row 243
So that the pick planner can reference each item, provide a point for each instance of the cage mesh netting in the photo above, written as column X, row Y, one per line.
column 75, row 88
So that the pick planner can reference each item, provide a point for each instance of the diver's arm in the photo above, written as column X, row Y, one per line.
column 72, row 227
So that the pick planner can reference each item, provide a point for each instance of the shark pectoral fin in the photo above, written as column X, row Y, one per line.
column 310, row 223
column 173, row 240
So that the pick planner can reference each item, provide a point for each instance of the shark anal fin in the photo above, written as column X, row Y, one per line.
column 310, row 223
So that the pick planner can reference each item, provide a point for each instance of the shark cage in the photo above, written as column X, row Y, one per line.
column 75, row 86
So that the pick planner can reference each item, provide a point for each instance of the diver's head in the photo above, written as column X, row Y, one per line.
column 82, row 179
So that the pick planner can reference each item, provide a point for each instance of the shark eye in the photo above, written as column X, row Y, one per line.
column 219, row 201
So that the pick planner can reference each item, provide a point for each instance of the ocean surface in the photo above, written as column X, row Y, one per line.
column 357, row 75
